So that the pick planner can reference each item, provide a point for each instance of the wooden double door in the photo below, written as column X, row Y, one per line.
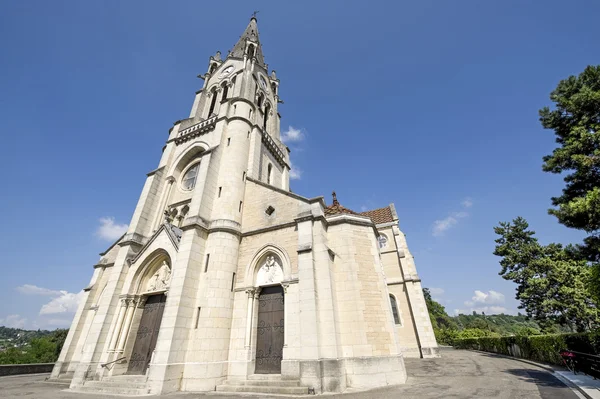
column 270, row 331
column 147, row 334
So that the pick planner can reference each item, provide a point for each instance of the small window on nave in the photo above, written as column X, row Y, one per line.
column 189, row 178
column 395, row 310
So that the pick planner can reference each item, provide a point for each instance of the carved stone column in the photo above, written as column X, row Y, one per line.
column 117, row 330
column 285, row 315
column 249, row 318
column 127, row 324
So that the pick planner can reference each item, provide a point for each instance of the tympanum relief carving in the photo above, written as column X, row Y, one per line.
column 270, row 272
column 161, row 279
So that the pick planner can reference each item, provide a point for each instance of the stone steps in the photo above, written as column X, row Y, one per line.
column 265, row 377
column 111, row 390
column 116, row 384
column 59, row 381
column 264, row 383
column 263, row 389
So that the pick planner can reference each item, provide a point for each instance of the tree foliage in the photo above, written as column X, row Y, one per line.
column 552, row 283
column 576, row 124
column 575, row 121
column 448, row 329
column 40, row 349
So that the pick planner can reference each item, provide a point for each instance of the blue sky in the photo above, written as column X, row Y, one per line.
column 431, row 105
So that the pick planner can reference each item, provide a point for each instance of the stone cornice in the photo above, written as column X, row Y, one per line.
column 104, row 265
column 152, row 173
column 267, row 229
column 132, row 239
column 111, row 246
column 321, row 200
column 352, row 219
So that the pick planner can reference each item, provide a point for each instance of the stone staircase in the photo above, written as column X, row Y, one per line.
column 264, row 383
column 117, row 385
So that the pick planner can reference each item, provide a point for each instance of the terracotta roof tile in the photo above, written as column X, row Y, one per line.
column 381, row 215
column 336, row 208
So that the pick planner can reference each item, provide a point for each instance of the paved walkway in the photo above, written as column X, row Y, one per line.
column 457, row 374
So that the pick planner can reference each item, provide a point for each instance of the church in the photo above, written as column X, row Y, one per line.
column 227, row 281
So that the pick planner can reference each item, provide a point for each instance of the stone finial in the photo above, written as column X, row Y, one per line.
column 335, row 201
column 218, row 56
column 273, row 75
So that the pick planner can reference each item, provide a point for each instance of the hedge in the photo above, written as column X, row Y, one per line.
column 542, row 348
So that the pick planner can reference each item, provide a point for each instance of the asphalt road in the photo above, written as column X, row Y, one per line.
column 457, row 374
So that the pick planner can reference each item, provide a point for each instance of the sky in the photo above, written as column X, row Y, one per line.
column 431, row 105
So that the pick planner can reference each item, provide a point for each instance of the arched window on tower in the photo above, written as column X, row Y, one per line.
column 213, row 67
column 266, row 116
column 395, row 310
column 251, row 51
column 269, row 173
column 225, row 91
column 260, row 100
column 213, row 102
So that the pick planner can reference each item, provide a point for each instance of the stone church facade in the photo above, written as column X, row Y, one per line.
column 228, row 281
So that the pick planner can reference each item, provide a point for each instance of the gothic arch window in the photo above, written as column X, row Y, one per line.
column 188, row 182
column 225, row 91
column 269, row 174
column 395, row 310
column 251, row 51
column 213, row 101
column 383, row 241
column 274, row 88
column 266, row 116
column 213, row 67
column 260, row 100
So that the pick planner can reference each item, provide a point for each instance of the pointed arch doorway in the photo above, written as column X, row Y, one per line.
column 270, row 330
column 147, row 334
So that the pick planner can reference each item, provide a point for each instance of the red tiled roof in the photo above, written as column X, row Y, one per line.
column 381, row 215
column 336, row 208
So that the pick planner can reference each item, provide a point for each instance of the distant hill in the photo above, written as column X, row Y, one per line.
column 19, row 337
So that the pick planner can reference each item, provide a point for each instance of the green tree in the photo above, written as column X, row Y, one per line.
column 551, row 284
column 575, row 121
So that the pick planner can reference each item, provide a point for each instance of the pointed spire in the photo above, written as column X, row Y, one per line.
column 335, row 200
column 251, row 34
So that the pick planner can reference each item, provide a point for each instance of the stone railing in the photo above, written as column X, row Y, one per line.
column 35, row 368
column 196, row 130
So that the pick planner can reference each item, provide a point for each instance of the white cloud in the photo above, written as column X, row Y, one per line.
column 487, row 302
column 67, row 302
column 292, row 135
column 486, row 298
column 485, row 309
column 109, row 230
column 295, row 173
column 13, row 321
column 29, row 289
column 440, row 226
column 63, row 301
column 436, row 291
